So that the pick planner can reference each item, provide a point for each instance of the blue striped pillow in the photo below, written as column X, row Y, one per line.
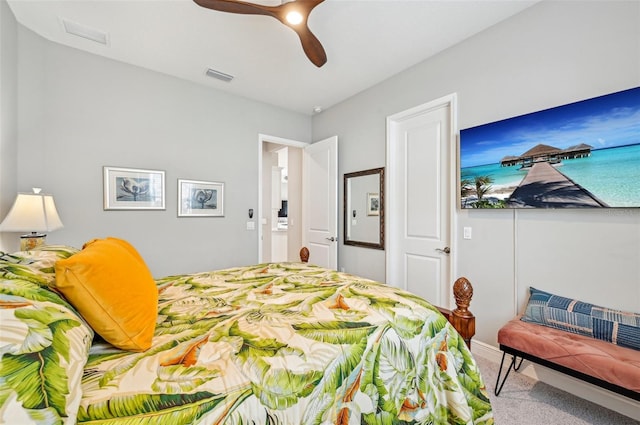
column 615, row 326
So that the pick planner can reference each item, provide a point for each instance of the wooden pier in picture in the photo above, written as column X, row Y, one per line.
column 546, row 187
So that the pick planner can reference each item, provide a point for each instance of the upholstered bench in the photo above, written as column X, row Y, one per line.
column 591, row 343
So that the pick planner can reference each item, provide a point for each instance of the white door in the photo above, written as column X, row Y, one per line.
column 320, row 202
column 420, row 196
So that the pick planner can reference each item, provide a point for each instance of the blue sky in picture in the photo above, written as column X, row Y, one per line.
column 601, row 122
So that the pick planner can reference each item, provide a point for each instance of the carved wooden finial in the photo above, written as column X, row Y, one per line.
column 463, row 291
column 304, row 254
column 461, row 318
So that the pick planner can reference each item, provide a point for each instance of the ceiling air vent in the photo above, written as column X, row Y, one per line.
column 83, row 31
column 219, row 75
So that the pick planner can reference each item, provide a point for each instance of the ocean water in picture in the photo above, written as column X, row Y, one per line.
column 612, row 175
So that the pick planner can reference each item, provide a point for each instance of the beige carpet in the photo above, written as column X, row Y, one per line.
column 525, row 401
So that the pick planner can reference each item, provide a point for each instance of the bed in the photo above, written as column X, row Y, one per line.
column 281, row 343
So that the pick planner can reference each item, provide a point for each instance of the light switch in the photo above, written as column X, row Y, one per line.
column 466, row 234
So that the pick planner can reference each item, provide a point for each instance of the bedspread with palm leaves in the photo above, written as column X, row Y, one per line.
column 285, row 343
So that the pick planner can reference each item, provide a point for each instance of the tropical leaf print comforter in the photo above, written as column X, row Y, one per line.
column 285, row 343
column 44, row 343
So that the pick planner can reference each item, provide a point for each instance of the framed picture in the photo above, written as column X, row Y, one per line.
column 373, row 204
column 579, row 155
column 200, row 198
column 133, row 189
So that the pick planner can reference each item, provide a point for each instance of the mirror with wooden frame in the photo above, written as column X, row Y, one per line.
column 364, row 208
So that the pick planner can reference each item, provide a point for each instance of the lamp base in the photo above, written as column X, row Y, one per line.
column 31, row 241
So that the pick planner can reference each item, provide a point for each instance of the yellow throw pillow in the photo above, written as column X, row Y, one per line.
column 112, row 288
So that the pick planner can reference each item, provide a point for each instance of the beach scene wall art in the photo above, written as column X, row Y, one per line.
column 580, row 155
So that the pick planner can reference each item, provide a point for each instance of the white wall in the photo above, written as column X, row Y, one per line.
column 551, row 54
column 8, row 115
column 79, row 112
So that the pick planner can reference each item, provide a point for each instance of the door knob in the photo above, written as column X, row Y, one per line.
column 332, row 239
column 446, row 250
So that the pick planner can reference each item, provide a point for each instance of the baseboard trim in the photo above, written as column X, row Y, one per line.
column 595, row 394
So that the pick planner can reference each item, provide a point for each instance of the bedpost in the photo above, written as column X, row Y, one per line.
column 461, row 318
column 304, row 254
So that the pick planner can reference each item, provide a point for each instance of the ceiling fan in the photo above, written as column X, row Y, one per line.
column 293, row 14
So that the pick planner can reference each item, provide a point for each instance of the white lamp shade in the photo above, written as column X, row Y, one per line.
column 32, row 213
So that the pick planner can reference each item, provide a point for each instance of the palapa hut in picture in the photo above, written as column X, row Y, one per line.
column 546, row 153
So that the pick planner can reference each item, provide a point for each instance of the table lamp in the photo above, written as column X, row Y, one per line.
column 34, row 213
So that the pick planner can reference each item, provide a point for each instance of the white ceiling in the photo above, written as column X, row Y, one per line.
column 367, row 41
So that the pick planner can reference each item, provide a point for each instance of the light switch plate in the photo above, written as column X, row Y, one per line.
column 466, row 234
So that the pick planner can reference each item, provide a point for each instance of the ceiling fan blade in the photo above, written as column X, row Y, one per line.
column 310, row 43
column 240, row 7
column 311, row 46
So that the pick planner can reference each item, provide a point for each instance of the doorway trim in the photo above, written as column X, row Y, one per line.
column 262, row 139
column 453, row 172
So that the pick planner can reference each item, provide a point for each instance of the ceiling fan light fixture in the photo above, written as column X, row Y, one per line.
column 291, row 14
column 294, row 17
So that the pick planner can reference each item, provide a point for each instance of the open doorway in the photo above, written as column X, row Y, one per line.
column 312, row 198
column 280, row 213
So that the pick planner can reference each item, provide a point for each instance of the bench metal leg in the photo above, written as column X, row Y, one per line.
column 513, row 366
column 517, row 368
